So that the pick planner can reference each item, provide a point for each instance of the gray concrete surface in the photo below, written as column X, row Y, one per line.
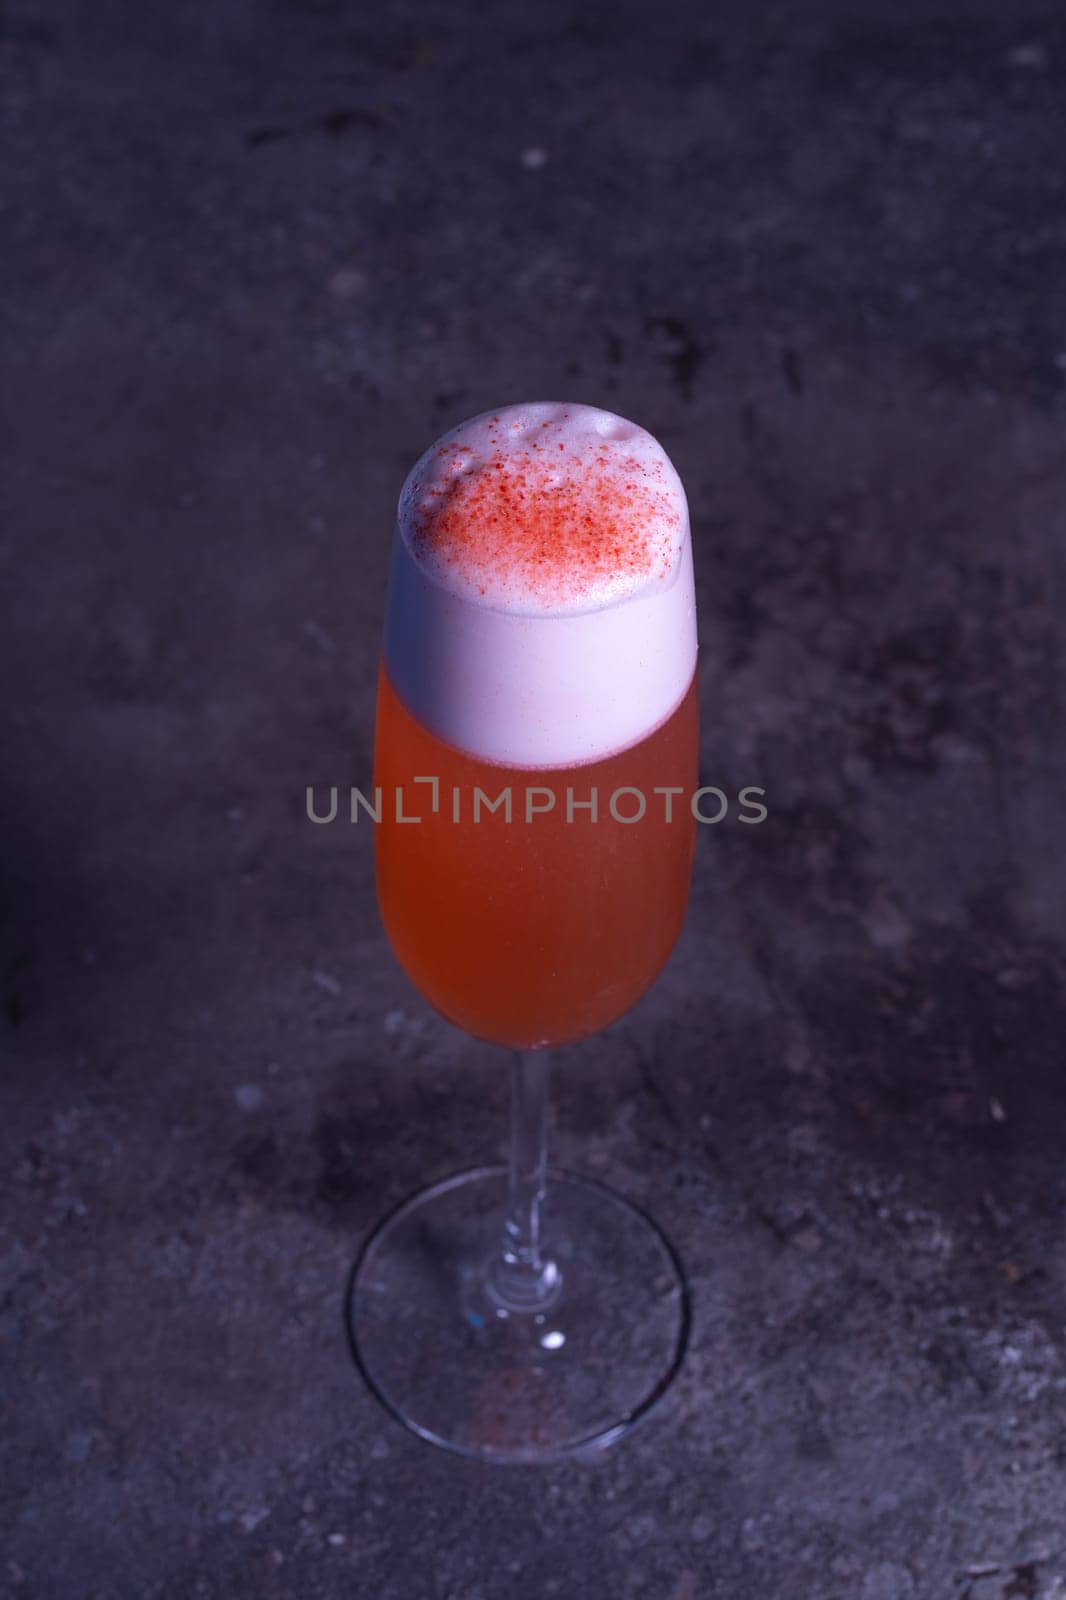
column 256, row 257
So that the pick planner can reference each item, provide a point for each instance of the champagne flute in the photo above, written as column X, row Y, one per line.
column 535, row 753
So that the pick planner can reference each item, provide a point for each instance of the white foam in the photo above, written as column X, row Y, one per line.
column 541, row 607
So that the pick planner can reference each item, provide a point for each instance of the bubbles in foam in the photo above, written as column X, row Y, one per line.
column 611, row 427
column 545, row 507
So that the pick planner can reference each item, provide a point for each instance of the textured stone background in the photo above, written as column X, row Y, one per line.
column 256, row 257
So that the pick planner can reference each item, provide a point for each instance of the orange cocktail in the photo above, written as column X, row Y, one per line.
column 541, row 921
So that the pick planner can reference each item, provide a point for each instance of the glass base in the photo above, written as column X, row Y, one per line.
column 460, row 1370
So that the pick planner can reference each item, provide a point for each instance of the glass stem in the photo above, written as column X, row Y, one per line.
column 522, row 1277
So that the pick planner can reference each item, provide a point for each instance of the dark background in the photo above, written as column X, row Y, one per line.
column 257, row 256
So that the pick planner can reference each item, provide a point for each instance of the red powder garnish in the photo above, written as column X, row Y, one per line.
column 555, row 532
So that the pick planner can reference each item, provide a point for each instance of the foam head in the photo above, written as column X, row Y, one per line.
column 541, row 608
